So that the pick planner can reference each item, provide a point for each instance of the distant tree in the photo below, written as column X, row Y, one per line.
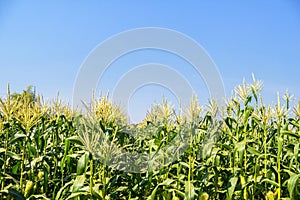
column 27, row 95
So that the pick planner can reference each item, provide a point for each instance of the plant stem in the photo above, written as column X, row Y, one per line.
column 22, row 167
column 91, row 176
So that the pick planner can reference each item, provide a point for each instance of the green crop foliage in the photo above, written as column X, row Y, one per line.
column 241, row 150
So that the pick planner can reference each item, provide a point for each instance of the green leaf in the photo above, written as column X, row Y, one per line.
column 2, row 150
column 77, row 194
column 78, row 183
column 73, row 156
column 98, row 193
column 75, row 139
column 241, row 146
column 271, row 182
column 291, row 134
column 16, row 137
column 16, row 194
column 13, row 155
column 16, row 168
column 296, row 151
column 233, row 182
column 153, row 193
column 189, row 191
column 185, row 164
column 253, row 151
column 58, row 196
column 38, row 196
column 82, row 164
column 280, row 145
column 167, row 182
column 292, row 183
column 36, row 160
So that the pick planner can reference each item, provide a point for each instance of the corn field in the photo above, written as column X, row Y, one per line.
column 241, row 150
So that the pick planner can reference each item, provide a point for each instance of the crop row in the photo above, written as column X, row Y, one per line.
column 242, row 150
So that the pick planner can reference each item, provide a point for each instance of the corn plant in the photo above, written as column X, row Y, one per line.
column 242, row 149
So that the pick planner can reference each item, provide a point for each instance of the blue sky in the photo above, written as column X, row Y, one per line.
column 43, row 43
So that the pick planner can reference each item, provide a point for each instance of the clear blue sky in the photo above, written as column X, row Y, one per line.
column 43, row 43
